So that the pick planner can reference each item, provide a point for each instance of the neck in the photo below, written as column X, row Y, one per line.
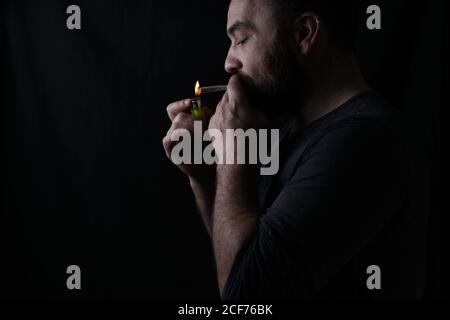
column 335, row 81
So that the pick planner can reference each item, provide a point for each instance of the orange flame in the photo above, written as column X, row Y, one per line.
column 198, row 89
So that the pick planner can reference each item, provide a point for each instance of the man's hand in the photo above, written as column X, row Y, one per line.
column 181, row 119
column 234, row 110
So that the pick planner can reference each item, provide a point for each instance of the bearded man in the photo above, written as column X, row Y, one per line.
column 344, row 202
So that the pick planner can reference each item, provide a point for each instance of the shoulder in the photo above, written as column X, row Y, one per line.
column 364, row 119
column 364, row 137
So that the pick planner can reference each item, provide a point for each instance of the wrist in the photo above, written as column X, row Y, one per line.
column 240, row 170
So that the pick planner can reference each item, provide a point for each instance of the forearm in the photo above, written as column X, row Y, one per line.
column 204, row 193
column 235, row 215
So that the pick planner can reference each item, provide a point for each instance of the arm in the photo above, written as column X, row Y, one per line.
column 204, row 192
column 235, row 209
column 235, row 216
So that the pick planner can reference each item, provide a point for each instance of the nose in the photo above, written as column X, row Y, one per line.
column 232, row 64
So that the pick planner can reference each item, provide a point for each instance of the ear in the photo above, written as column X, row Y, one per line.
column 306, row 30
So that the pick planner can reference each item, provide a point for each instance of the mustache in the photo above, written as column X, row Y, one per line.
column 247, row 81
column 273, row 101
column 251, row 87
column 257, row 95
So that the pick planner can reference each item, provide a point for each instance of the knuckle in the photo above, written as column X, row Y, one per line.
column 178, row 118
column 173, row 107
column 181, row 118
column 166, row 142
column 170, row 107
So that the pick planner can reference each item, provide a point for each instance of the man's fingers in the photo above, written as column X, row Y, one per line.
column 225, row 97
column 235, row 92
column 181, row 121
column 175, row 108
column 182, row 117
column 167, row 143
column 222, row 102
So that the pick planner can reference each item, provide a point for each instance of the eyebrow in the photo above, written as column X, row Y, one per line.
column 239, row 25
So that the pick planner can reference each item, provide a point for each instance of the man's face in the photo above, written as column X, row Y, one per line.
column 259, row 53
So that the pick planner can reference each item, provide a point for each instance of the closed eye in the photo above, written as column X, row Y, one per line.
column 241, row 42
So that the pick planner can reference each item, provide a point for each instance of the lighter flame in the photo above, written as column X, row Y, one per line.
column 198, row 89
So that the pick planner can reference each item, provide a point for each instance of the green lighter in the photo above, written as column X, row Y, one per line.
column 197, row 111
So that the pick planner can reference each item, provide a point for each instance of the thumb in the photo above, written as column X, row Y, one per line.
column 236, row 93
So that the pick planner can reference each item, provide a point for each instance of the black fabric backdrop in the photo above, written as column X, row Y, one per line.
column 85, row 179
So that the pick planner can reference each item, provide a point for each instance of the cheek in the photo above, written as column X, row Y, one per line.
column 260, row 71
column 255, row 67
column 252, row 60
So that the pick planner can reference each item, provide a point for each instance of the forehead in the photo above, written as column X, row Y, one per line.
column 255, row 12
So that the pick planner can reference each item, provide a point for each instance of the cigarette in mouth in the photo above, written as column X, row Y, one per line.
column 212, row 89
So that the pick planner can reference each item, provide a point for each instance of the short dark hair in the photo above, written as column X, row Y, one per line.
column 340, row 17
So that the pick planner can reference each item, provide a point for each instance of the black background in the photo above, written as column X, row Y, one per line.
column 85, row 180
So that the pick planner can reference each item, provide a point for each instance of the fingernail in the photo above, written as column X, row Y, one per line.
column 187, row 102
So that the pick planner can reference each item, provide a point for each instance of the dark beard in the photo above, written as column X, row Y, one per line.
column 276, row 92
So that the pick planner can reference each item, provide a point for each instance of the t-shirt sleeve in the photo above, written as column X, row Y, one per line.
column 347, row 186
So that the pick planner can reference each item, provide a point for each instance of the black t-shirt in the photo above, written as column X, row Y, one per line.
column 344, row 199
